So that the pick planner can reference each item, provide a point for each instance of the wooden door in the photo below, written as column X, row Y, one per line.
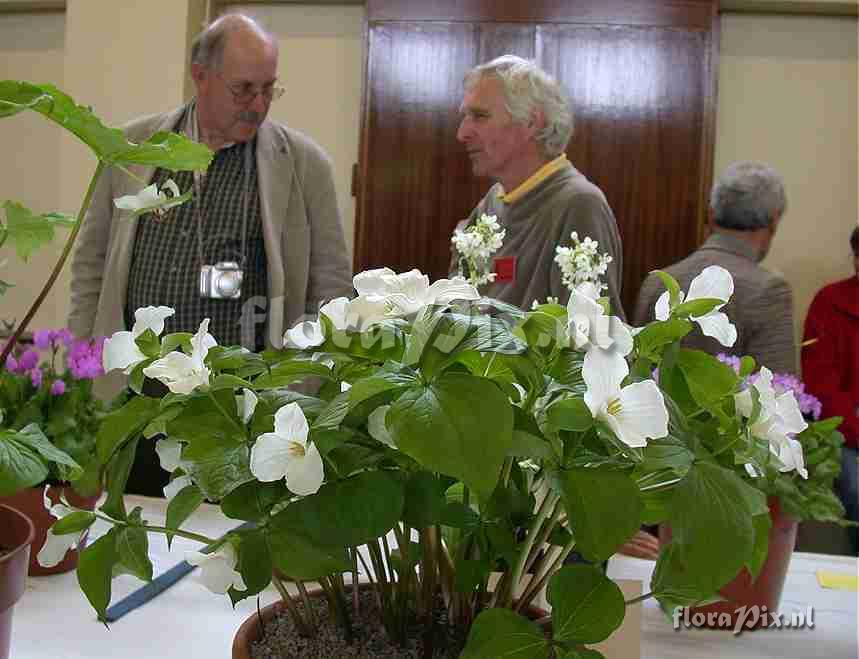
column 641, row 78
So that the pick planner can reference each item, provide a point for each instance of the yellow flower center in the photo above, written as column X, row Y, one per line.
column 296, row 450
column 614, row 407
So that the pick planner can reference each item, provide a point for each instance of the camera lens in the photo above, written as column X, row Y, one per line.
column 228, row 284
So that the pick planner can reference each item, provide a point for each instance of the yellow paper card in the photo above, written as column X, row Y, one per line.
column 829, row 579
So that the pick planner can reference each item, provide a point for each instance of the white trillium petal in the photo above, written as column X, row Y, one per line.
column 146, row 198
column 169, row 452
column 370, row 282
column 603, row 371
column 246, row 404
column 789, row 414
column 178, row 372
column 217, row 570
column 744, row 403
column 642, row 413
column 716, row 325
column 121, row 352
column 170, row 184
column 304, row 475
column 55, row 548
column 377, row 428
column 791, row 457
column 662, row 309
column 589, row 289
column 306, row 334
column 150, row 318
column 713, row 282
column 337, row 311
column 269, row 456
column 445, row 291
column 621, row 336
column 290, row 423
column 367, row 310
column 176, row 485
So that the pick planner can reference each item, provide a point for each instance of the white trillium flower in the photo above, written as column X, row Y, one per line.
column 121, row 351
column 589, row 325
column 169, row 453
column 246, row 404
column 635, row 412
column 150, row 199
column 183, row 373
column 713, row 282
column 779, row 419
column 409, row 292
column 377, row 428
column 56, row 546
column 285, row 453
column 176, row 485
column 218, row 569
column 308, row 333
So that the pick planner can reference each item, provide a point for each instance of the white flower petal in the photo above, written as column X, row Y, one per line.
column 445, row 291
column 336, row 311
column 621, row 337
column 306, row 334
column 589, row 289
column 246, row 404
column 147, row 197
column 176, row 485
column 304, row 474
column 150, row 318
column 365, row 311
column 790, row 416
column 170, row 184
column 642, row 413
column 603, row 371
column 345, row 386
column 291, row 424
column 377, row 428
column 370, row 282
column 791, row 456
column 713, row 282
column 270, row 456
column 121, row 352
column 55, row 548
column 744, row 403
column 169, row 452
column 662, row 308
column 716, row 324
column 217, row 570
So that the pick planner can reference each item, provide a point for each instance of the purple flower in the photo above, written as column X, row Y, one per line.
column 29, row 360
column 730, row 360
column 36, row 377
column 65, row 335
column 84, row 359
column 11, row 364
column 58, row 388
column 43, row 338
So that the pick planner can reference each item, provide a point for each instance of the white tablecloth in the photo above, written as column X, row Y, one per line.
column 54, row 621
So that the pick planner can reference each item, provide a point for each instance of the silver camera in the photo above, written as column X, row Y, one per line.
column 222, row 280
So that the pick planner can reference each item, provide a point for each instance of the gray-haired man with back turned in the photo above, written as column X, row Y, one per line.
column 746, row 206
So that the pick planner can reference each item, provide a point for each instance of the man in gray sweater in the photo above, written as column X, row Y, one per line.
column 516, row 122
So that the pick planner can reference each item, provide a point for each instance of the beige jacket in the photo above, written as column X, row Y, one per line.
column 305, row 248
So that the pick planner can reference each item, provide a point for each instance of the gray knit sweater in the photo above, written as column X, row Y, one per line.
column 540, row 221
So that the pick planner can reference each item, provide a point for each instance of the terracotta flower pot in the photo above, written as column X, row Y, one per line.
column 250, row 630
column 16, row 536
column 743, row 591
column 30, row 502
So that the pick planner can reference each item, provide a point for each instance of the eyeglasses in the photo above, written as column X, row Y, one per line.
column 244, row 93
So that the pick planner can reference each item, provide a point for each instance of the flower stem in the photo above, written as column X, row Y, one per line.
column 67, row 249
column 640, row 598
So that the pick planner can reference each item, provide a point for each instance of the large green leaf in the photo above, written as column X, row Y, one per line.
column 712, row 512
column 28, row 231
column 218, row 467
column 132, row 547
column 181, row 507
column 254, row 564
column 656, row 335
column 709, row 380
column 587, row 606
column 603, row 508
column 121, row 425
column 503, row 633
column 95, row 570
column 349, row 512
column 459, row 425
column 20, row 466
column 164, row 150
column 290, row 372
column 425, row 499
column 294, row 554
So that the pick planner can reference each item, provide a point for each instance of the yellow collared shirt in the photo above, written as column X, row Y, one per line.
column 534, row 180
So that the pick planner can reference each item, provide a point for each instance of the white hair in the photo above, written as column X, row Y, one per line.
column 747, row 196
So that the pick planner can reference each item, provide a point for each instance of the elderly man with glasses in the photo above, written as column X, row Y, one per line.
column 261, row 242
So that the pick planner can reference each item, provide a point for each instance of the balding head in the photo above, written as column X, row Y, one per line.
column 208, row 47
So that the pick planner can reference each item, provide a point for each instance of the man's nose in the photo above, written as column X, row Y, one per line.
column 260, row 103
column 463, row 133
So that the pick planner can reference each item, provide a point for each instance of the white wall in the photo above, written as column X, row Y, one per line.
column 788, row 97
column 321, row 66
column 31, row 48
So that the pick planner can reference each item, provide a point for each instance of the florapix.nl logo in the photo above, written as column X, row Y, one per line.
column 744, row 617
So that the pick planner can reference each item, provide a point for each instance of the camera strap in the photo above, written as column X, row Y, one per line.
column 246, row 195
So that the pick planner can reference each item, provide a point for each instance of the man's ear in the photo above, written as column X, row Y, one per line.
column 537, row 122
column 198, row 73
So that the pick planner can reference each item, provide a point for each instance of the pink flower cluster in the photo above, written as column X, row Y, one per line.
column 83, row 358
